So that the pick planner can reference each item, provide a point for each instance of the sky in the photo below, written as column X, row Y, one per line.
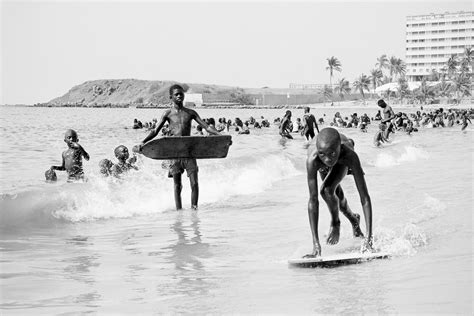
column 49, row 47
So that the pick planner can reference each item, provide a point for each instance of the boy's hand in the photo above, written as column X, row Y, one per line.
column 137, row 148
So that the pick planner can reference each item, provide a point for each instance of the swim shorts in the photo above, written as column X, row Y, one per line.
column 177, row 166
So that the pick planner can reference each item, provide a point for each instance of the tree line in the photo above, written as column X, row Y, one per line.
column 453, row 81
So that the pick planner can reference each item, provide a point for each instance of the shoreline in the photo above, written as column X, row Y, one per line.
column 344, row 104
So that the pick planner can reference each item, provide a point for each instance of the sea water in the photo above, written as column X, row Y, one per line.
column 113, row 246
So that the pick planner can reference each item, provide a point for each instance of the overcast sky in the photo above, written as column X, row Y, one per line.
column 49, row 47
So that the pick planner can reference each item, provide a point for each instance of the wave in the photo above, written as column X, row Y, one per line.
column 394, row 158
column 410, row 236
column 144, row 192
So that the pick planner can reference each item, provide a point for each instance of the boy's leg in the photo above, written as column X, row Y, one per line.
column 351, row 216
column 192, row 170
column 328, row 193
column 193, row 180
column 177, row 190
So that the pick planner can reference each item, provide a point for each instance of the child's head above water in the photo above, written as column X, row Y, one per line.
column 105, row 165
column 50, row 175
column 70, row 136
column 121, row 152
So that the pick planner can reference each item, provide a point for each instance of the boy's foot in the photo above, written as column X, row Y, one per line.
column 356, row 227
column 334, row 232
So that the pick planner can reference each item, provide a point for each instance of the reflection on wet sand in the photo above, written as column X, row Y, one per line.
column 187, row 253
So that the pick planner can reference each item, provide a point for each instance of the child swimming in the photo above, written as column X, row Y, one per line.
column 72, row 157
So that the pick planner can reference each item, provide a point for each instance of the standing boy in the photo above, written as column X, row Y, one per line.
column 179, row 119
column 309, row 122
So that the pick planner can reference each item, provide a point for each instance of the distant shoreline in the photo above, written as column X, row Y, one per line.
column 343, row 104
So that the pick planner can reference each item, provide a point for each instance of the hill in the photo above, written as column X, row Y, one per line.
column 126, row 92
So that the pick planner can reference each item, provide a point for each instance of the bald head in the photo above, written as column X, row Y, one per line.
column 328, row 137
column 328, row 145
column 70, row 133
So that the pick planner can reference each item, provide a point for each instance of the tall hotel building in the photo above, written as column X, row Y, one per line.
column 432, row 39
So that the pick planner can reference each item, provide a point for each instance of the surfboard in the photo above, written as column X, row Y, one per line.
column 199, row 147
column 337, row 259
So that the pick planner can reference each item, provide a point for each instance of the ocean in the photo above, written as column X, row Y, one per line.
column 111, row 246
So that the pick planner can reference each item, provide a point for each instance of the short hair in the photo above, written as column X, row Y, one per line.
column 175, row 86
column 381, row 103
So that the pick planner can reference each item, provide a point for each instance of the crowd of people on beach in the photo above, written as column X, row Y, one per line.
column 305, row 126
column 331, row 154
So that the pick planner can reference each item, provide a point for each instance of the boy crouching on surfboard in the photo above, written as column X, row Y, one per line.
column 72, row 157
column 332, row 155
column 179, row 119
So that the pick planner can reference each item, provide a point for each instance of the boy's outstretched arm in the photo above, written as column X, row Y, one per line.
column 364, row 199
column 60, row 168
column 313, row 204
column 208, row 128
column 155, row 131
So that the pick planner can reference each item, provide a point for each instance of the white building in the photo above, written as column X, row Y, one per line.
column 432, row 39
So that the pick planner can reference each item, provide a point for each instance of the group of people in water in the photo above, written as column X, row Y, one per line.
column 330, row 153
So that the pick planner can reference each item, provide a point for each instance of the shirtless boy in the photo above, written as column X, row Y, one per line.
column 333, row 155
column 388, row 116
column 379, row 138
column 309, row 122
column 72, row 157
column 179, row 119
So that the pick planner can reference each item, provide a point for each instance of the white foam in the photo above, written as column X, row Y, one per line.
column 148, row 192
column 390, row 159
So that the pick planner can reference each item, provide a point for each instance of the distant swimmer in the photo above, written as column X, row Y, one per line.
column 180, row 119
column 379, row 137
column 333, row 155
column 464, row 120
column 309, row 124
column 388, row 116
column 72, row 157
column 123, row 165
column 285, row 128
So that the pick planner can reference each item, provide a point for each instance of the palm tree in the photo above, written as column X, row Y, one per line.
column 434, row 75
column 443, row 89
column 461, row 86
column 452, row 64
column 333, row 65
column 342, row 88
column 403, row 90
column 382, row 63
column 424, row 92
column 362, row 83
column 376, row 78
column 397, row 67
column 327, row 92
column 467, row 59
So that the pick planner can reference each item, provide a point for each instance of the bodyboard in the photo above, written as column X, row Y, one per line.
column 337, row 259
column 177, row 147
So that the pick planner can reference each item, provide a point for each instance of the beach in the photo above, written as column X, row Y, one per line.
column 111, row 246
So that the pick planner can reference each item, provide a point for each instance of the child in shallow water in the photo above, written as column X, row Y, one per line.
column 121, row 153
column 72, row 157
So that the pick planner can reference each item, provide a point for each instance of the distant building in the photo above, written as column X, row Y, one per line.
column 307, row 86
column 195, row 98
column 431, row 39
